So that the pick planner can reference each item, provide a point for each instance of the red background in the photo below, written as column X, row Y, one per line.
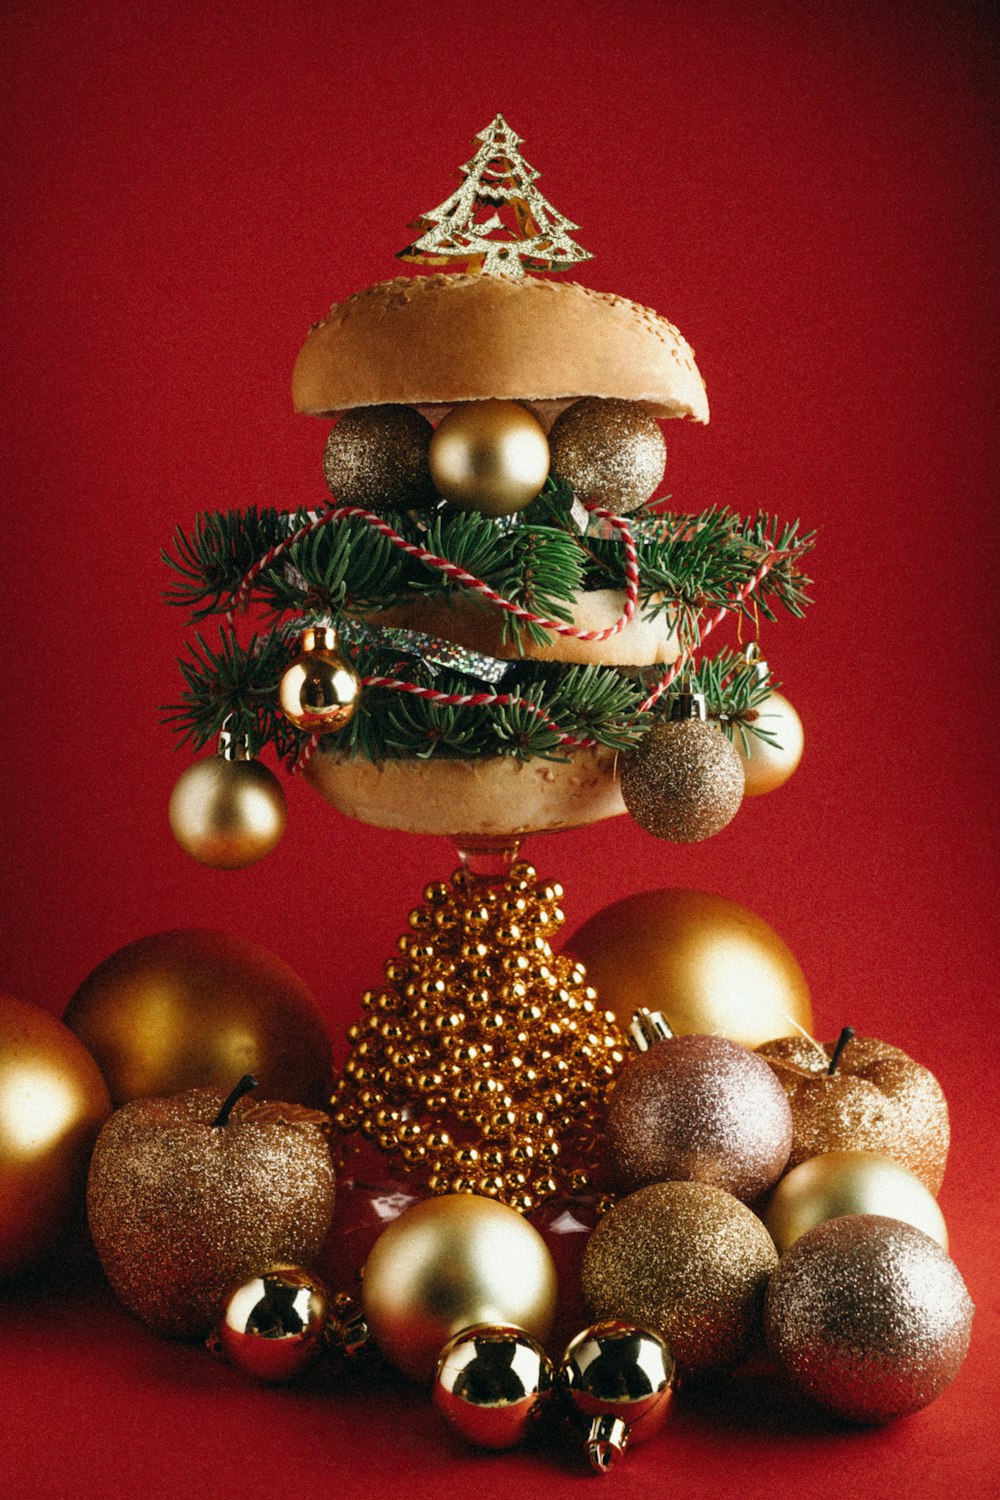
column 807, row 191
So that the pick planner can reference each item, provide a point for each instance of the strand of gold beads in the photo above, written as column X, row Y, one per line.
column 483, row 1062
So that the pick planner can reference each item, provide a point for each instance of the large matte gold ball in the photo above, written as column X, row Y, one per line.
column 869, row 1317
column 688, row 1260
column 684, row 781
column 376, row 457
column 708, row 964
column 227, row 813
column 196, row 1008
column 850, row 1182
column 611, row 452
column 53, row 1102
column 765, row 766
column 448, row 1263
column 489, row 456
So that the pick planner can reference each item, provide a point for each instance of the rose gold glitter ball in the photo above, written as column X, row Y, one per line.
column 611, row 451
column 688, row 1260
column 376, row 456
column 869, row 1317
column 684, row 782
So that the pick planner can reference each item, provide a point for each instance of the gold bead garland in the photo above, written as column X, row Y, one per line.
column 483, row 1063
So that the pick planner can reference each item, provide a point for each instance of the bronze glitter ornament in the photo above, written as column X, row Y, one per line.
column 684, row 781
column 273, row 1325
column 687, row 1260
column 376, row 457
column 227, row 811
column 318, row 692
column 869, row 1317
column 482, row 1063
column 612, row 452
column 618, row 1380
column 492, row 1383
column 849, row 1182
column 876, row 1099
column 701, row 1109
column 189, row 1194
column 489, row 456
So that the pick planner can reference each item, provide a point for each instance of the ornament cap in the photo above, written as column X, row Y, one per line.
column 232, row 746
column 647, row 1027
column 606, row 1442
column 319, row 638
column 753, row 658
column 688, row 705
column 347, row 1327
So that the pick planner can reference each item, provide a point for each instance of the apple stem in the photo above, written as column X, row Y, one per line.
column 838, row 1051
column 246, row 1083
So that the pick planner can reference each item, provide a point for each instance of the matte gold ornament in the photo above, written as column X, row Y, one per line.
column 489, row 456
column 707, row 963
column 227, row 810
column 611, row 452
column 376, row 457
column 684, row 781
column 273, row 1325
column 318, row 693
column 53, row 1102
column 849, row 1182
column 869, row 1317
column 687, row 1260
column 492, row 1383
column 767, row 766
column 618, row 1378
column 446, row 1264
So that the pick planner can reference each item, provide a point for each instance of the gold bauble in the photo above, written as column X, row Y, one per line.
column 684, row 781
column 273, row 1325
column 492, row 1384
column 376, row 457
column 448, row 1263
column 53, row 1102
column 850, row 1182
column 318, row 693
column 687, row 1260
column 766, row 767
column 227, row 813
column 194, row 1007
column 708, row 964
column 489, row 456
column 869, row 1317
column 611, row 452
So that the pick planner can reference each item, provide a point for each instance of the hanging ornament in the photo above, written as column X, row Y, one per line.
column 684, row 782
column 227, row 810
column 489, row 456
column 318, row 692
column 273, row 1325
column 376, row 456
column 612, row 452
column 618, row 1378
column 491, row 1383
column 767, row 766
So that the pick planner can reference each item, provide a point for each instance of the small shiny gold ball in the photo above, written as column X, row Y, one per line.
column 376, row 457
column 766, row 767
column 612, row 452
column 318, row 693
column 272, row 1325
column 684, row 781
column 227, row 813
column 489, row 456
column 850, row 1182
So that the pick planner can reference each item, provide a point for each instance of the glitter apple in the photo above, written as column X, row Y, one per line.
column 188, row 1195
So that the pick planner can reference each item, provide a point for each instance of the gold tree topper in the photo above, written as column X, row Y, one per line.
column 534, row 236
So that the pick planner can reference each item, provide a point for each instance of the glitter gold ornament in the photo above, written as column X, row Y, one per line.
column 618, row 1379
column 446, row 1264
column 53, row 1102
column 196, row 1008
column 684, row 781
column 875, row 1098
column 489, row 456
column 492, row 1383
column 687, row 1260
column 849, row 1182
column 611, row 452
column 319, row 692
column 701, row 1109
column 272, row 1325
column 869, row 1317
column 188, row 1194
column 707, row 963
column 227, row 810
column 376, row 457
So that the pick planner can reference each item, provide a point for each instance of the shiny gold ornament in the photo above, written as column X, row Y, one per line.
column 708, row 964
column 376, row 457
column 618, row 1379
column 53, row 1102
column 869, row 1317
column 483, row 1063
column 850, row 1182
column 687, row 1260
column 489, row 456
column 446, row 1264
column 491, row 1383
column 191, row 1008
column 766, row 766
column 876, row 1099
column 273, row 1325
column 611, row 452
column 227, row 811
column 684, row 781
column 318, row 692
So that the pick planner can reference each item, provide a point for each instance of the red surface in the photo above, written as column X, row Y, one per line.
column 808, row 192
